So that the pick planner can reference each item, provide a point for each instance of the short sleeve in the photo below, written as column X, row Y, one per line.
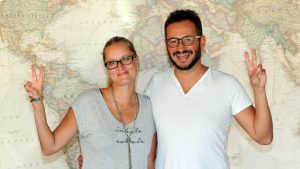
column 81, row 109
column 239, row 98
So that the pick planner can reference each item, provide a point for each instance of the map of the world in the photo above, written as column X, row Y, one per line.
column 67, row 37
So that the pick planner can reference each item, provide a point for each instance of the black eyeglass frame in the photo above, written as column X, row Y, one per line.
column 182, row 40
column 122, row 61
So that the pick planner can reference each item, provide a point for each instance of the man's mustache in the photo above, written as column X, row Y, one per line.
column 183, row 52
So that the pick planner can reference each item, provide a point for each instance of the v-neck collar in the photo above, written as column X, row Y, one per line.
column 179, row 87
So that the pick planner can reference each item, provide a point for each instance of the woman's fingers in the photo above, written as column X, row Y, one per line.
column 33, row 88
column 41, row 75
column 33, row 73
column 32, row 92
column 27, row 86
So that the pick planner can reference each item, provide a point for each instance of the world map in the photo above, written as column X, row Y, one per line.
column 67, row 38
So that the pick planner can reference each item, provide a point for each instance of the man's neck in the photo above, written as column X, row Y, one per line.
column 188, row 78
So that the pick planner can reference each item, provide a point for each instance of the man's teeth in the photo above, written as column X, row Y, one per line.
column 183, row 54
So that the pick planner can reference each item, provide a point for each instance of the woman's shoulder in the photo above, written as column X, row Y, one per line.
column 87, row 95
column 145, row 102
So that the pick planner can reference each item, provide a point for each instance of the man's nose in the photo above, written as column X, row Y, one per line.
column 180, row 45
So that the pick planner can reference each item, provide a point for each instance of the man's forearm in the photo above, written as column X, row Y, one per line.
column 263, row 120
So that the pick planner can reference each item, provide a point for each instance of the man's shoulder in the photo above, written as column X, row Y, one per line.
column 156, row 82
column 221, row 75
column 222, row 78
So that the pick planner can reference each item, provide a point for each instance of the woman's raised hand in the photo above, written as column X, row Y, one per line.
column 34, row 87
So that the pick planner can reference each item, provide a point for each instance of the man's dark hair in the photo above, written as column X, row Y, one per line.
column 182, row 15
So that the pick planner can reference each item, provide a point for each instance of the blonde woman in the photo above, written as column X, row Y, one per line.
column 115, row 124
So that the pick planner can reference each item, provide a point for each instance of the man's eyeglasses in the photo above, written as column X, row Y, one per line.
column 126, row 60
column 186, row 41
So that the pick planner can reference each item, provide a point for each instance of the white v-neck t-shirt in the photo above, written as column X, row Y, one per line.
column 193, row 127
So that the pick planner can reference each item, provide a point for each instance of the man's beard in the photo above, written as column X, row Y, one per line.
column 192, row 64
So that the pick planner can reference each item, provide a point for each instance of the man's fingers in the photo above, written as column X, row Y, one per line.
column 247, row 60
column 258, row 69
column 254, row 59
column 263, row 71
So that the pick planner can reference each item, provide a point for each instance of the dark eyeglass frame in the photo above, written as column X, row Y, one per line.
column 183, row 40
column 123, row 61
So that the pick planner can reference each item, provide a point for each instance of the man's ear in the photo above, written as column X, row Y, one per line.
column 202, row 42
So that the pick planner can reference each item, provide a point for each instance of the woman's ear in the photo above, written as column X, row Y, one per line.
column 137, row 62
